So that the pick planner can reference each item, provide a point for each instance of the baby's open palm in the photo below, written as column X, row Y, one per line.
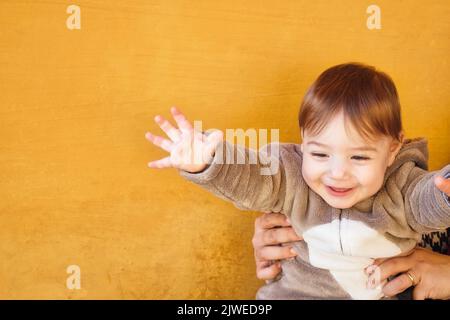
column 190, row 150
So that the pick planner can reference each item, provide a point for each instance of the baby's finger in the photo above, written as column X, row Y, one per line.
column 159, row 142
column 173, row 133
column 161, row 163
column 181, row 120
column 443, row 184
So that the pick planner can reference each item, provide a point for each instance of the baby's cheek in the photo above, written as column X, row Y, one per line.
column 309, row 172
column 372, row 178
column 305, row 170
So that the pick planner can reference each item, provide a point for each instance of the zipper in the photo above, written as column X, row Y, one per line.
column 340, row 228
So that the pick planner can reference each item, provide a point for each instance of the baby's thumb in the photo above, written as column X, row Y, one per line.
column 212, row 140
column 215, row 137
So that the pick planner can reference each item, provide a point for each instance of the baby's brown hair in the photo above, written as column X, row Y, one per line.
column 367, row 97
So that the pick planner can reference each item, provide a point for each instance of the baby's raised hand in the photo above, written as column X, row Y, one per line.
column 190, row 150
column 443, row 185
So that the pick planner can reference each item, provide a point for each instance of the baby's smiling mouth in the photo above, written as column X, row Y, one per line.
column 338, row 192
column 339, row 189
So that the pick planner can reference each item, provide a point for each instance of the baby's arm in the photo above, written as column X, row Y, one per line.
column 252, row 180
column 427, row 199
column 236, row 175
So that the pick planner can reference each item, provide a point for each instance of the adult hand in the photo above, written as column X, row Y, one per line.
column 273, row 234
column 428, row 271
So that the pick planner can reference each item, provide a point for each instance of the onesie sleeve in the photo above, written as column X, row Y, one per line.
column 427, row 207
column 251, row 180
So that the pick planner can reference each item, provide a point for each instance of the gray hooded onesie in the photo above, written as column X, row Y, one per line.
column 339, row 243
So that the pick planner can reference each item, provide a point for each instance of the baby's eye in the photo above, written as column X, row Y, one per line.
column 319, row 155
column 360, row 158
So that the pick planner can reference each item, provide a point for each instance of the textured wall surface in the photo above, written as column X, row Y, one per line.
column 75, row 104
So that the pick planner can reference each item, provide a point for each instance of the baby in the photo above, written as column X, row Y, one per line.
column 354, row 189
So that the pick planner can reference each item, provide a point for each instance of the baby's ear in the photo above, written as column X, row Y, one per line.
column 301, row 144
column 394, row 149
column 401, row 137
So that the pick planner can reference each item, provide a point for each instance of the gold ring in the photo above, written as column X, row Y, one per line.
column 411, row 277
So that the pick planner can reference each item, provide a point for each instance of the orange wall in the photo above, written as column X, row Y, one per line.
column 75, row 104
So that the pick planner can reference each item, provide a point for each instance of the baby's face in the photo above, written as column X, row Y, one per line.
column 340, row 173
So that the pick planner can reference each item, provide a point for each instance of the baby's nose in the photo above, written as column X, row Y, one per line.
column 339, row 171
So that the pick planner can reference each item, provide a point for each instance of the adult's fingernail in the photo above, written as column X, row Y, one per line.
column 293, row 251
column 288, row 220
column 370, row 269
column 372, row 283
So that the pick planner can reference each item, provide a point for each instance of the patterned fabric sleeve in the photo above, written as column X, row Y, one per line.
column 437, row 241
